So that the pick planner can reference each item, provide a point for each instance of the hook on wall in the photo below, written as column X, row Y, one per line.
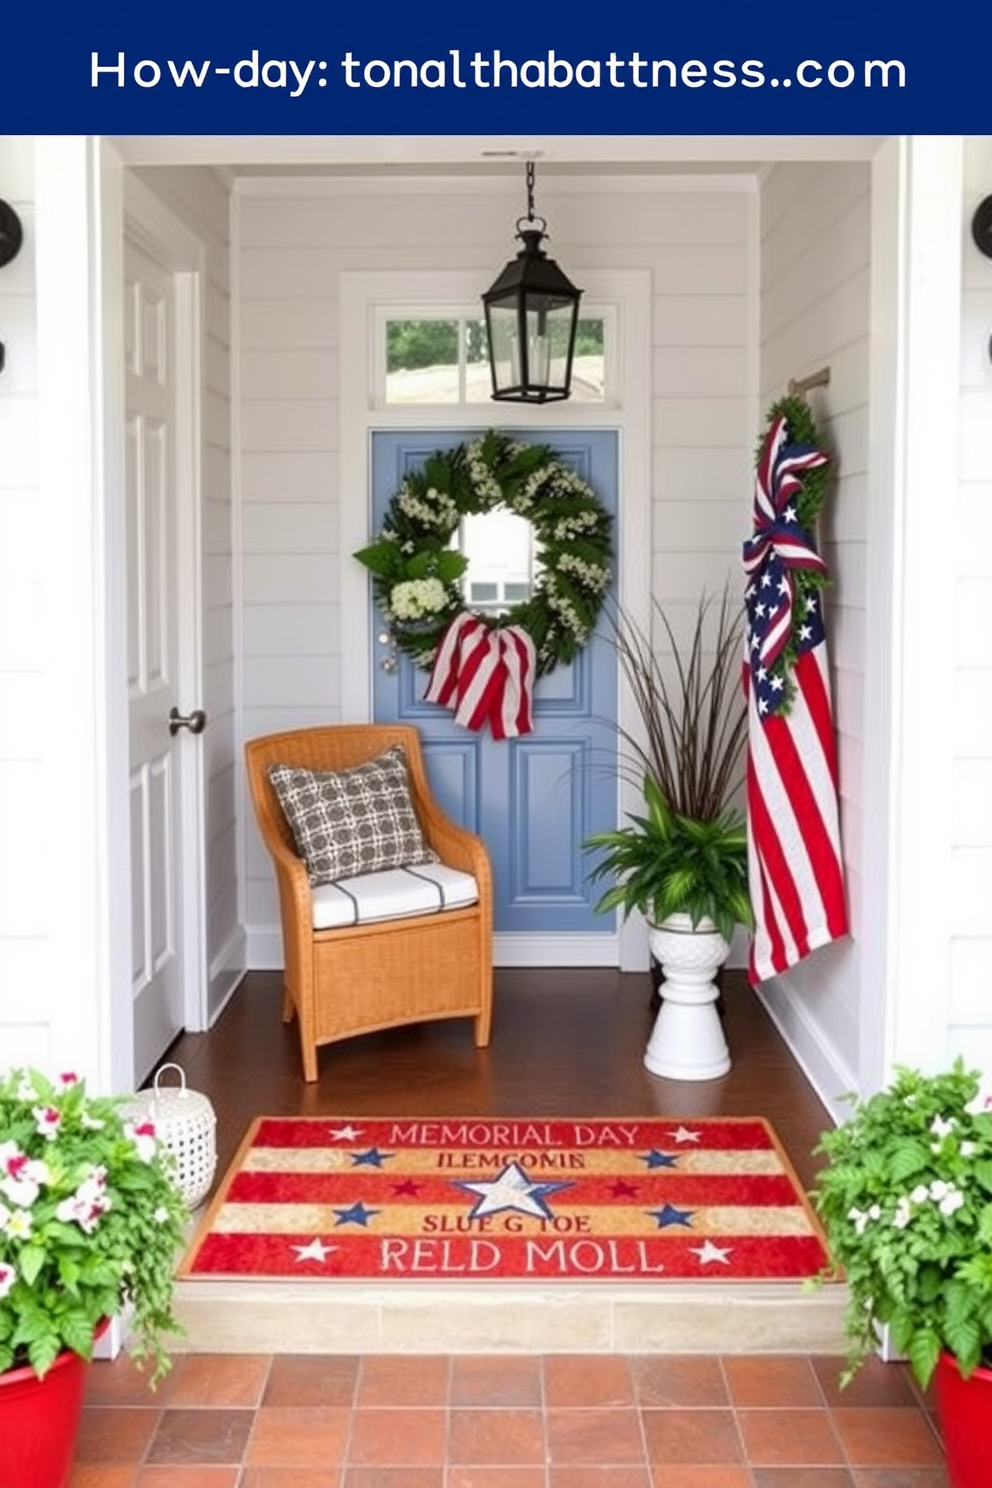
column 800, row 386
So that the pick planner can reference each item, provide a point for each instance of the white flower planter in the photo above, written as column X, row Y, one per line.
column 687, row 1041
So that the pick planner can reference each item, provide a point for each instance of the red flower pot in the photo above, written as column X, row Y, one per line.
column 39, row 1421
column 965, row 1410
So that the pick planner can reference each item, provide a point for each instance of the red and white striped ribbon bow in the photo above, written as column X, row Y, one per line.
column 486, row 675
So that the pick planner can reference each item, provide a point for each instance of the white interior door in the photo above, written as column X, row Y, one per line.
column 156, row 774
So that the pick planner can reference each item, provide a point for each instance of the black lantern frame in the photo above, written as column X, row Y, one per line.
column 532, row 315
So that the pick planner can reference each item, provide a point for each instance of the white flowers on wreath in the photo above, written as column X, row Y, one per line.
column 412, row 599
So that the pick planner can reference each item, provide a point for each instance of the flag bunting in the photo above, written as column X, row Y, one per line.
column 485, row 674
column 795, row 867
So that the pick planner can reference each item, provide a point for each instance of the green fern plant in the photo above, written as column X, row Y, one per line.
column 688, row 854
column 905, row 1197
column 665, row 864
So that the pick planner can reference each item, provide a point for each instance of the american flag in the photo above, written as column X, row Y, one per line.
column 795, row 869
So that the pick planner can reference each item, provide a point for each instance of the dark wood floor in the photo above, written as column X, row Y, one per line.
column 565, row 1043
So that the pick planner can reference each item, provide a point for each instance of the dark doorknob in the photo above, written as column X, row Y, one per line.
column 196, row 721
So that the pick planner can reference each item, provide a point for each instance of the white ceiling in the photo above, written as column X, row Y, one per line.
column 410, row 155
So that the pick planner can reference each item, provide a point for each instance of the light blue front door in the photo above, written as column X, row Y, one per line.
column 533, row 799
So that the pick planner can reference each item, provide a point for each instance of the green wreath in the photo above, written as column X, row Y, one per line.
column 417, row 573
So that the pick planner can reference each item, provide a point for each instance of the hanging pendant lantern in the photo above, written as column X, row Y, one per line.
column 532, row 314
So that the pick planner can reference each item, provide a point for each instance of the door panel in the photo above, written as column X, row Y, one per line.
column 152, row 649
column 536, row 798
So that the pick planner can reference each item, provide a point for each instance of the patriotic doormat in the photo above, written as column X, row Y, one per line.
column 503, row 1199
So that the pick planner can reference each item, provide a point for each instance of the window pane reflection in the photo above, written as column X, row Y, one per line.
column 422, row 361
column 499, row 547
column 442, row 361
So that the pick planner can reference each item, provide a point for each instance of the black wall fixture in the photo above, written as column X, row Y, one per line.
column 981, row 231
column 11, row 238
column 11, row 233
column 981, row 226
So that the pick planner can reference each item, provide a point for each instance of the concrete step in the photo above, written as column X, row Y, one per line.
column 427, row 1317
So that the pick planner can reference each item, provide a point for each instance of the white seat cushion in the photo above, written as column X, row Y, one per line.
column 396, row 893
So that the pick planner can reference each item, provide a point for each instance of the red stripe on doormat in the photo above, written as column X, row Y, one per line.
column 483, row 1259
column 535, row 1134
column 505, row 1199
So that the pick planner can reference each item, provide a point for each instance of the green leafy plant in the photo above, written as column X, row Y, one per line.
column 90, row 1222
column 667, row 864
column 688, row 854
column 905, row 1197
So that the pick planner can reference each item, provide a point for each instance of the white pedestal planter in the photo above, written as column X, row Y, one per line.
column 687, row 1041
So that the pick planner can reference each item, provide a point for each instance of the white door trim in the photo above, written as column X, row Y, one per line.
column 360, row 291
column 84, row 812
column 915, row 402
column 149, row 223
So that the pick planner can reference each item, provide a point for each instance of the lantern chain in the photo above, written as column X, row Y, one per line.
column 532, row 216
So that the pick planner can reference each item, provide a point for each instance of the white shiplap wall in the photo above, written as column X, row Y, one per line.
column 970, row 1018
column 201, row 200
column 25, row 985
column 696, row 238
column 815, row 263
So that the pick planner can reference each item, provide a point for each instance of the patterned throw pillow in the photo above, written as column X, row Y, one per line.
column 352, row 821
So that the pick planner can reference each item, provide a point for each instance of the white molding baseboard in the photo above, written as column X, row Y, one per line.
column 231, row 956
column 263, row 948
column 819, row 1062
column 236, row 978
column 555, row 950
column 226, row 971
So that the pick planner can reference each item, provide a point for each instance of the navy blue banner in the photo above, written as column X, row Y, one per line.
column 398, row 68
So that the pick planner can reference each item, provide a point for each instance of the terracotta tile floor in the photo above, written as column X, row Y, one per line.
column 552, row 1421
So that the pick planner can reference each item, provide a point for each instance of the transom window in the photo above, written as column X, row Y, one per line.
column 427, row 359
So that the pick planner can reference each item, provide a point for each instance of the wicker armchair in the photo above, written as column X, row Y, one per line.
column 382, row 974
